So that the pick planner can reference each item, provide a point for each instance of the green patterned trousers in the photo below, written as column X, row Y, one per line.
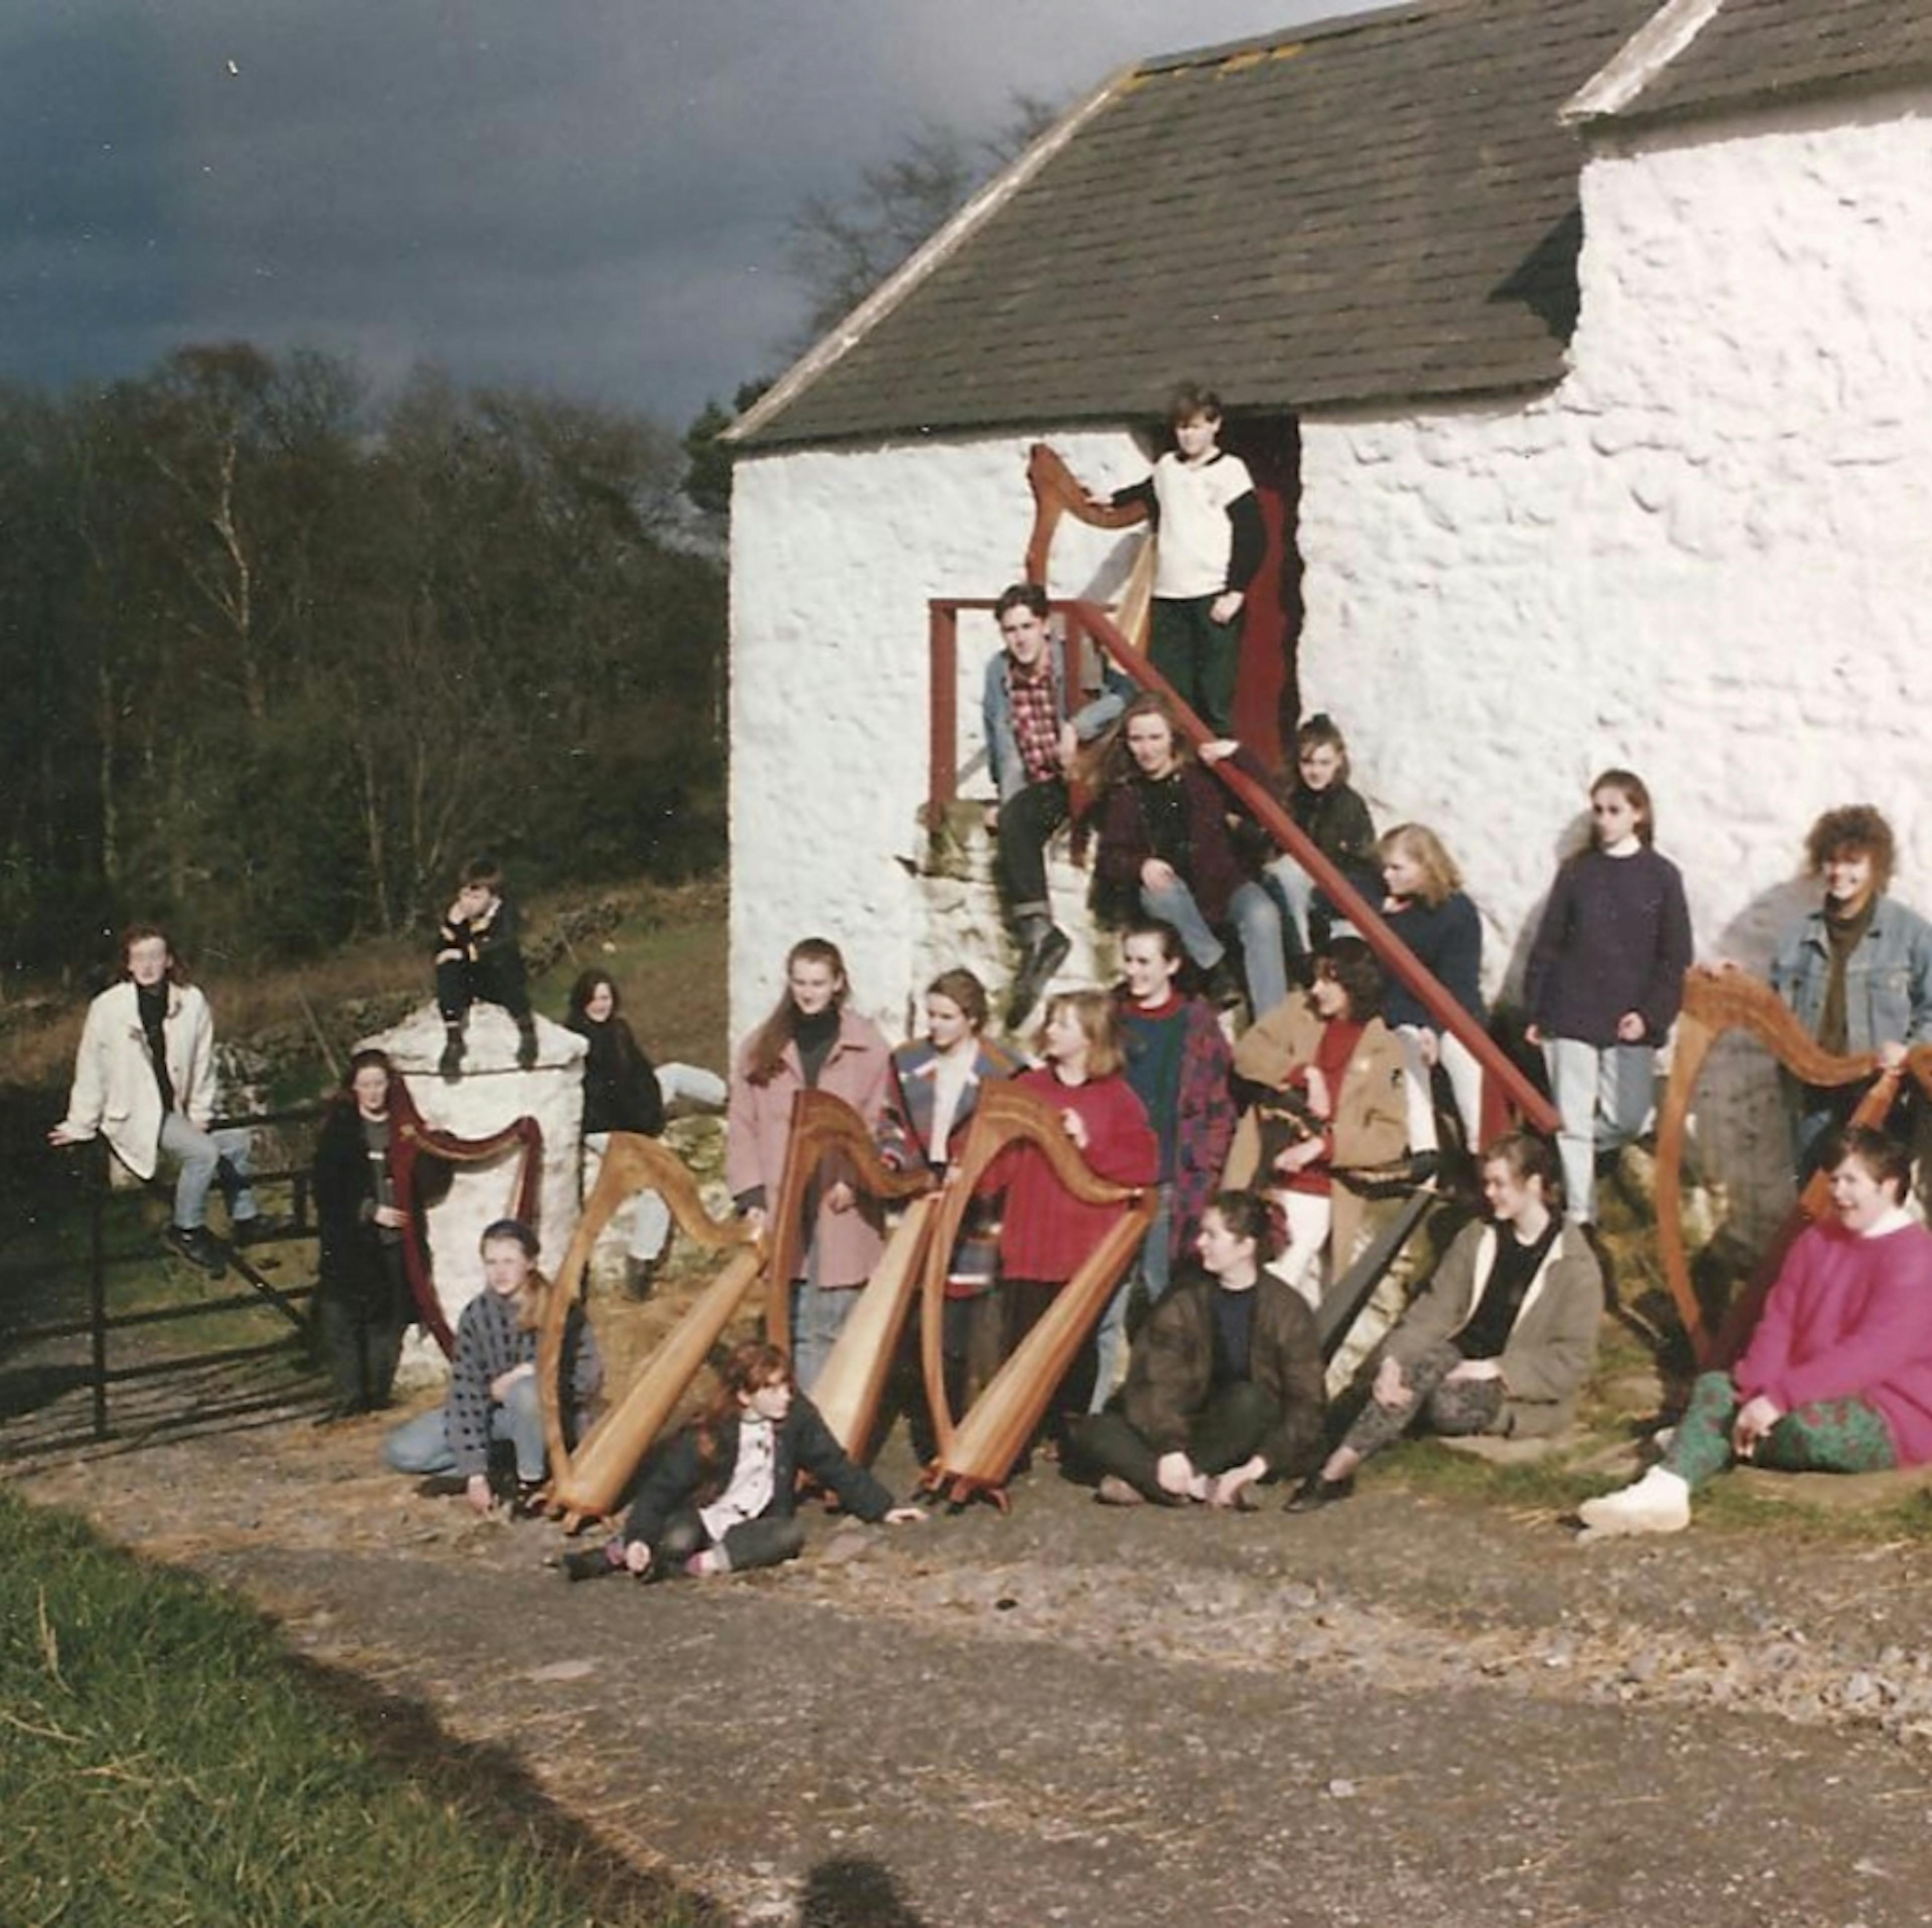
column 1825, row 1436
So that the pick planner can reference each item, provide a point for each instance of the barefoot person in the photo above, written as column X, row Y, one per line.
column 1838, row 1377
column 1501, row 1338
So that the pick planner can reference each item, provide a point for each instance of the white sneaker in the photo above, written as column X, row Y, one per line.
column 1658, row 1503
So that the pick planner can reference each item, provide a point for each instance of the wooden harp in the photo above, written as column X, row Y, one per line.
column 853, row 1380
column 975, row 1453
column 1715, row 1002
column 1056, row 494
column 586, row 1483
column 822, row 1127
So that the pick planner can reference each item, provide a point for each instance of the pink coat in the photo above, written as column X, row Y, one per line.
column 758, row 1124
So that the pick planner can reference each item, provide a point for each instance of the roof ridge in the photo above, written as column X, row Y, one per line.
column 1641, row 58
column 1326, row 28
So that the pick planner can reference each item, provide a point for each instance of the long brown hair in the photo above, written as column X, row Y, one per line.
column 765, row 1052
column 1110, row 762
column 533, row 1294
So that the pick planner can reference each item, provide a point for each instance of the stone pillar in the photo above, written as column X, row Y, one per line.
column 493, row 1093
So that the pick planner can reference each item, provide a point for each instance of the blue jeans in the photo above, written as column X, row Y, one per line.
column 199, row 1154
column 1603, row 1094
column 1153, row 1268
column 818, row 1316
column 421, row 1445
column 1257, row 918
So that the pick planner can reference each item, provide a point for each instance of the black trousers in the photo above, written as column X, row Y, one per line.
column 768, row 1542
column 1227, row 1431
column 360, row 1340
column 497, row 978
column 1026, row 823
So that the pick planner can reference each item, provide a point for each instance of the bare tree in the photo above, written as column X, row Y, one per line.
column 839, row 248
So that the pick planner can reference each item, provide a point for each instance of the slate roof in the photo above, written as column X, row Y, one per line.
column 1382, row 208
column 1754, row 51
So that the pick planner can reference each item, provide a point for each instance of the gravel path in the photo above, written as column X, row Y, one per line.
column 1402, row 1708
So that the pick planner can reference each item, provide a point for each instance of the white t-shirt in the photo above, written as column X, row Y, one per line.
column 1196, row 539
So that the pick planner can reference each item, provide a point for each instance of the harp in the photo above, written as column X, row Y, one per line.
column 1715, row 1002
column 823, row 1129
column 586, row 1483
column 976, row 1452
column 1056, row 494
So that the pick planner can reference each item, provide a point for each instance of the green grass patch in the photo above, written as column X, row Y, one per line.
column 165, row 1760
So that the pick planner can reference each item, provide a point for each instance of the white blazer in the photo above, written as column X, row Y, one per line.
column 115, row 1095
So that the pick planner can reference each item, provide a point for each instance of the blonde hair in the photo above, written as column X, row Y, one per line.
column 1441, row 879
column 1093, row 1011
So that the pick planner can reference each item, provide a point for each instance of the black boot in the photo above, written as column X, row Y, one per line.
column 451, row 1067
column 527, row 1042
column 1044, row 954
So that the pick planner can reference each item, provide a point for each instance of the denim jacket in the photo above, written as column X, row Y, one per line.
column 1003, row 747
column 1888, row 979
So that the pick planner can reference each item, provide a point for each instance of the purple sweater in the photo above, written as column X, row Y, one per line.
column 1615, row 937
column 1851, row 1316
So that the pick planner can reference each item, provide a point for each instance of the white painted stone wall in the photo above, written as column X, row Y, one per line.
column 834, row 557
column 1704, row 555
column 492, row 1093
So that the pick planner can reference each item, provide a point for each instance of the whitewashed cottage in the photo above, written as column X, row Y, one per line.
column 1584, row 350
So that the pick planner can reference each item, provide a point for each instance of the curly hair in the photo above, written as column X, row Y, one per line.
column 1856, row 829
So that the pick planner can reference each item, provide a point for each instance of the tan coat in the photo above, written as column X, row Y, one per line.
column 1551, row 1347
column 1371, row 1120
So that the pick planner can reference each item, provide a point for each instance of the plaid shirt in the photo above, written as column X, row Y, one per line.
column 1035, row 721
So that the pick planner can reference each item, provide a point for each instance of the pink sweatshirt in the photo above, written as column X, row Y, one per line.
column 1851, row 1316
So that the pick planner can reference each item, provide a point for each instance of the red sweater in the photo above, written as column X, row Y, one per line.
column 1046, row 1234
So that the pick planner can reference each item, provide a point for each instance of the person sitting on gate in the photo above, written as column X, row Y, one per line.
column 1165, row 851
column 1032, row 741
column 144, row 1080
column 1331, row 1102
column 1501, row 1338
column 1837, row 1377
column 1226, row 1385
column 720, row 1497
column 494, row 1399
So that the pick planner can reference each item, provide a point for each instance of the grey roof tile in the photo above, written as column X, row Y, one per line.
column 1386, row 209
column 1751, row 52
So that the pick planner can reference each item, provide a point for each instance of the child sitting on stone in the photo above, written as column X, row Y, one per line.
column 478, row 960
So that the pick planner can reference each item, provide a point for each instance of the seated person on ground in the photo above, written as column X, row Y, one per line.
column 494, row 1398
column 1501, row 1338
column 719, row 1496
column 1332, row 1102
column 1838, row 1377
column 1224, row 1387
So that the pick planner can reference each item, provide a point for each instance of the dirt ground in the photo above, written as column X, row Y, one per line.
column 1403, row 1708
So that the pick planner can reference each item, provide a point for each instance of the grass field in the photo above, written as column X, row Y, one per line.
column 166, row 1761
